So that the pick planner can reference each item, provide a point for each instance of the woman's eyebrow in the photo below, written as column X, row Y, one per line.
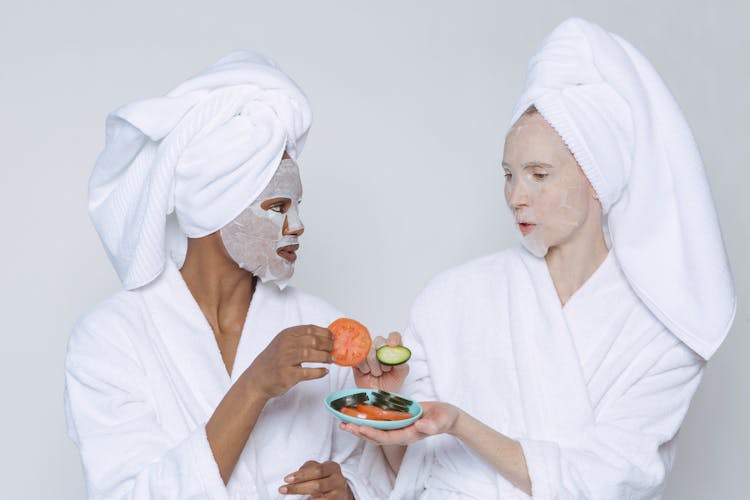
column 536, row 164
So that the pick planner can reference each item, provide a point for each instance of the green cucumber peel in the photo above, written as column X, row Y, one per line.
column 393, row 355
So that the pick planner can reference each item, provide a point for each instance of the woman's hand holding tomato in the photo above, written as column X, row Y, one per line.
column 372, row 374
column 437, row 418
column 320, row 480
column 278, row 368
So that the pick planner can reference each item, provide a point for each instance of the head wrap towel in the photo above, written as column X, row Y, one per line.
column 629, row 136
column 204, row 151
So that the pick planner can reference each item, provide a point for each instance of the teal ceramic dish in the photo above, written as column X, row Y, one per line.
column 414, row 409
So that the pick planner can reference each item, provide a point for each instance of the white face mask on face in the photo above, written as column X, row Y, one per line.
column 546, row 189
column 263, row 239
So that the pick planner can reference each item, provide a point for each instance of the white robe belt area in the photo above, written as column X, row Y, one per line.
column 595, row 391
column 144, row 374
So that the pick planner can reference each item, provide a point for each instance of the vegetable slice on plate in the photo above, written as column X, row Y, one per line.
column 393, row 355
column 350, row 400
column 351, row 342
column 375, row 413
column 353, row 412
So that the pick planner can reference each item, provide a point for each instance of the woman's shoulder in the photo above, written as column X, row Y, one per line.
column 467, row 278
column 108, row 325
column 481, row 268
column 121, row 309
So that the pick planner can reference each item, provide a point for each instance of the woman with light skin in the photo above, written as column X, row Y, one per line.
column 549, row 173
column 563, row 368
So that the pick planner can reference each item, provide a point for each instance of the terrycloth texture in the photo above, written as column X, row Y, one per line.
column 206, row 150
column 595, row 391
column 144, row 374
column 628, row 134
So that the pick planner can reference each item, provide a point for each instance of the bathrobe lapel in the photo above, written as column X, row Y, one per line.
column 186, row 347
column 553, row 391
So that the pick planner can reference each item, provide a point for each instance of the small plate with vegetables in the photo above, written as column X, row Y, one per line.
column 373, row 408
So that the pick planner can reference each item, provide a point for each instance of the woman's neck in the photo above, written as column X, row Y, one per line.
column 573, row 262
column 221, row 288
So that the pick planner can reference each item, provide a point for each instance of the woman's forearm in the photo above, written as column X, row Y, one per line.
column 230, row 426
column 502, row 452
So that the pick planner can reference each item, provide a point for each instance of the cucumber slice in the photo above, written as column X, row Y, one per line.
column 392, row 397
column 350, row 400
column 393, row 355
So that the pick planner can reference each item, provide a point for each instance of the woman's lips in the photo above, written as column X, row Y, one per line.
column 526, row 227
column 288, row 252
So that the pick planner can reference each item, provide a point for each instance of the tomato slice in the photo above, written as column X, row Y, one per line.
column 351, row 342
column 353, row 412
column 375, row 413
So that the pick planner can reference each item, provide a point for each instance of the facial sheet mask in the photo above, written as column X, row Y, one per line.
column 254, row 237
column 556, row 213
column 551, row 195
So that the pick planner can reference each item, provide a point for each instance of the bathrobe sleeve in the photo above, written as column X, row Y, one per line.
column 126, row 454
column 627, row 450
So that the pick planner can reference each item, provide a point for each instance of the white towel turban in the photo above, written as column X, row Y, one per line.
column 626, row 131
column 204, row 151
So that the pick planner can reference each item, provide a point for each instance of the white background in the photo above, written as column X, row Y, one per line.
column 401, row 170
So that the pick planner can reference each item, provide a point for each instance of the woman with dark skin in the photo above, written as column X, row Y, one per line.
column 204, row 377
column 224, row 293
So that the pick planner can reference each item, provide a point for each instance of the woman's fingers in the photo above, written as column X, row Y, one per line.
column 309, row 470
column 309, row 355
column 371, row 369
column 363, row 368
column 403, row 436
column 394, row 339
column 376, row 369
column 312, row 373
column 314, row 478
column 322, row 342
column 314, row 487
column 378, row 342
column 312, row 346
column 291, row 477
column 354, row 429
column 306, row 330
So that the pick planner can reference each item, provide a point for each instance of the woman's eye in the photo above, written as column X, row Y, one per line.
column 507, row 176
column 540, row 176
column 279, row 208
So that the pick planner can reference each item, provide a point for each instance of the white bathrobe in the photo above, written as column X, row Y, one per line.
column 144, row 374
column 595, row 391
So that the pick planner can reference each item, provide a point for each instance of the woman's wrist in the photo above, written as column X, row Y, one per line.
column 252, row 394
column 458, row 425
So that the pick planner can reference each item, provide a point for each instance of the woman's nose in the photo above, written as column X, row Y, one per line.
column 292, row 224
column 519, row 195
